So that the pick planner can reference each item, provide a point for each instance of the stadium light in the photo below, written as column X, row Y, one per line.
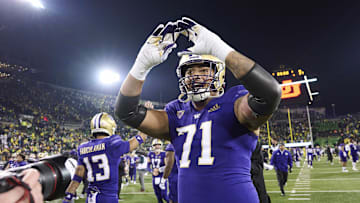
column 108, row 77
column 36, row 3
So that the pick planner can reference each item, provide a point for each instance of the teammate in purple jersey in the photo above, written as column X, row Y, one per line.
column 170, row 174
column 354, row 154
column 156, row 161
column 213, row 132
column 343, row 157
column 99, row 159
column 132, row 167
column 310, row 156
column 297, row 156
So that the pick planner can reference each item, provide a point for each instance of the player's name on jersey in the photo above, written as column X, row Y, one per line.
column 95, row 148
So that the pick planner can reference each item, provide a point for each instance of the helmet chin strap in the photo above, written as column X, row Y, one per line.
column 199, row 97
column 183, row 97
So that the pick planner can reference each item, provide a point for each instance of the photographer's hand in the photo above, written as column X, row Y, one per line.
column 19, row 194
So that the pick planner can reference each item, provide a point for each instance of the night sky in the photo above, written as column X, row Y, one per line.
column 70, row 41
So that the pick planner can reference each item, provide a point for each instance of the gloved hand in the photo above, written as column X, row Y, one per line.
column 290, row 170
column 68, row 197
column 162, row 184
column 155, row 50
column 205, row 41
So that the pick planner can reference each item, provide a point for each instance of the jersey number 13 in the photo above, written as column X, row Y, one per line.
column 102, row 161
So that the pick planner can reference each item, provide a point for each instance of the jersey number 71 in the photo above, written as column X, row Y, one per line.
column 206, row 158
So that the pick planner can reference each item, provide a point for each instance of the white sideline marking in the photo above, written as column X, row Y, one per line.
column 300, row 194
column 320, row 191
column 338, row 172
column 318, row 179
column 299, row 199
column 302, row 183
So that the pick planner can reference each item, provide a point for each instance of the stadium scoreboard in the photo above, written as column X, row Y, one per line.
column 295, row 86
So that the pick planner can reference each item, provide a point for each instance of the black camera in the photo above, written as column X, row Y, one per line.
column 54, row 176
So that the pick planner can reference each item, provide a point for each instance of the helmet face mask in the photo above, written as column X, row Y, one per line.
column 199, row 77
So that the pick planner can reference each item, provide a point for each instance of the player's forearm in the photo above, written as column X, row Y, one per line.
column 169, row 163
column 131, row 86
column 238, row 64
column 167, row 171
column 72, row 187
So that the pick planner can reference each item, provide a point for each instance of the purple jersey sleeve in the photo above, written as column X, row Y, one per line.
column 170, row 148
column 237, row 92
column 118, row 146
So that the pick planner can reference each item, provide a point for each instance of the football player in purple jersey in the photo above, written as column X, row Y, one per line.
column 354, row 153
column 343, row 154
column 310, row 156
column 213, row 131
column 99, row 159
column 132, row 167
column 156, row 165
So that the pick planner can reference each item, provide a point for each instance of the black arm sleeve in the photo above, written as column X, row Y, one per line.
column 128, row 110
column 265, row 91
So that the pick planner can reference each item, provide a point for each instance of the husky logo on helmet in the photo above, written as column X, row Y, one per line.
column 103, row 123
column 199, row 91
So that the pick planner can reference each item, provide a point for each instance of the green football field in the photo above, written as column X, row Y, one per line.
column 323, row 183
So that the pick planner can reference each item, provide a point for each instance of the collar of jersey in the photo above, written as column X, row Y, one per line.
column 213, row 100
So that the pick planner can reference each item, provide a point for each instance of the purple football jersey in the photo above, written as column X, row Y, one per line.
column 213, row 150
column 157, row 161
column 101, row 158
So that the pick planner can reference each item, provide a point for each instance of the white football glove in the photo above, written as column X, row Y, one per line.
column 205, row 41
column 155, row 50
column 162, row 185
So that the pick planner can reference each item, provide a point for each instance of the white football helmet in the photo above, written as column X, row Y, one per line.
column 156, row 142
column 196, row 91
column 103, row 123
